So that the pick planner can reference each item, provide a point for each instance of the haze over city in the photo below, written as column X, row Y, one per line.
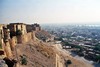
column 50, row 11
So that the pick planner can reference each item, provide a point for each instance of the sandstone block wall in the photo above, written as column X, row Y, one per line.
column 13, row 42
column 26, row 37
column 58, row 61
column 8, row 49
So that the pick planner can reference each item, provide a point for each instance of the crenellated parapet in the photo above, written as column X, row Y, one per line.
column 15, row 27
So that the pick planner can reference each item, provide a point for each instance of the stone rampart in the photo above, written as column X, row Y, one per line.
column 13, row 42
column 26, row 37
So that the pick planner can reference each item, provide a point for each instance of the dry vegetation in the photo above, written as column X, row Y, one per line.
column 38, row 54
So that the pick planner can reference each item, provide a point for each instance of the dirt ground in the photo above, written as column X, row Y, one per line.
column 38, row 54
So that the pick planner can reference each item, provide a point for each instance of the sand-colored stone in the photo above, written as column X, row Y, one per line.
column 13, row 42
column 59, row 61
column 8, row 50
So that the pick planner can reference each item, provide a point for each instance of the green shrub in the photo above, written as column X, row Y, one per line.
column 98, row 58
column 23, row 60
column 97, row 47
column 69, row 62
column 18, row 32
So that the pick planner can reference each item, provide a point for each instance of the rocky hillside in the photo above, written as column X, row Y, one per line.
column 37, row 54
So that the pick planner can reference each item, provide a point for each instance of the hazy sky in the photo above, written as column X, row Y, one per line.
column 50, row 11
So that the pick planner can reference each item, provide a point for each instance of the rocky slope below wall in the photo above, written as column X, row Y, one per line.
column 37, row 53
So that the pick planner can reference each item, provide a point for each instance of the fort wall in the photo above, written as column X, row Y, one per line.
column 26, row 37
column 59, row 61
column 8, row 49
column 13, row 42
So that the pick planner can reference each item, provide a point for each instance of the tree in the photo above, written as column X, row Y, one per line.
column 97, row 47
column 23, row 60
column 68, row 62
column 18, row 32
column 98, row 58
